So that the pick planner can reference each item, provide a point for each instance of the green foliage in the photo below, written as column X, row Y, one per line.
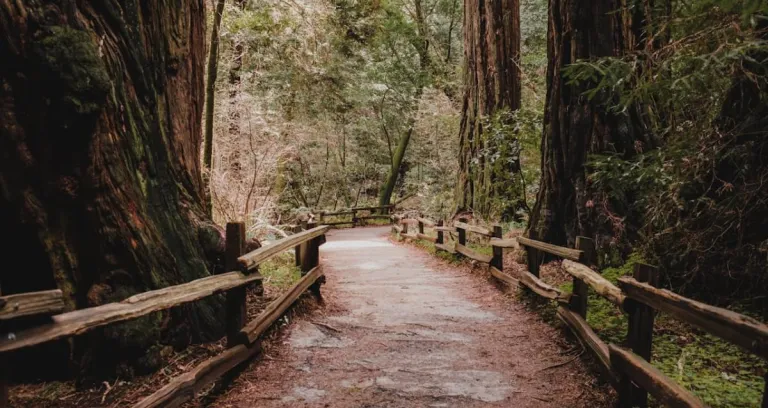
column 280, row 271
column 719, row 373
column 692, row 205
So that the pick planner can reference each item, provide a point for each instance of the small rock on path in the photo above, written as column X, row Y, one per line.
column 400, row 330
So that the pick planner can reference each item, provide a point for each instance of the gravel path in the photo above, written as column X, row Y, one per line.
column 400, row 329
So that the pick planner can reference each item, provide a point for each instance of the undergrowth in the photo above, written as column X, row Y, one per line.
column 718, row 372
column 280, row 271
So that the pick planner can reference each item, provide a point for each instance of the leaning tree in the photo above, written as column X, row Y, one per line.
column 100, row 181
column 492, row 84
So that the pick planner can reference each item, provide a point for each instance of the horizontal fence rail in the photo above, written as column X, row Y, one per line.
column 43, row 303
column 629, row 371
column 242, row 337
column 84, row 320
column 736, row 328
column 385, row 211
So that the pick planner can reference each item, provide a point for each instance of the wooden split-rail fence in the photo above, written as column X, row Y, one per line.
column 242, row 337
column 357, row 215
column 628, row 369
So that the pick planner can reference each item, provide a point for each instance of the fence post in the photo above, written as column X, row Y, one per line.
column 498, row 253
column 297, row 248
column 580, row 289
column 235, row 303
column 639, row 337
column 533, row 257
column 310, row 259
column 405, row 228
column 765, row 393
column 421, row 226
column 309, row 253
column 439, row 233
column 354, row 218
column 462, row 233
column 5, row 373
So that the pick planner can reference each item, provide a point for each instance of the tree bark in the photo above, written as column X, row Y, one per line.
column 389, row 187
column 492, row 84
column 575, row 126
column 100, row 178
column 210, row 86
column 235, row 79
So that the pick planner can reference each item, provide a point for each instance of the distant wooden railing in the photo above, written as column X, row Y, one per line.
column 638, row 296
column 384, row 212
column 242, row 337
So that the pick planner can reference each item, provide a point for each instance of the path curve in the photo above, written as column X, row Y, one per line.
column 398, row 329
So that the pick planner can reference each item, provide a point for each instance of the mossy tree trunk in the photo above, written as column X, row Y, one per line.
column 100, row 180
column 492, row 83
column 575, row 126
column 394, row 172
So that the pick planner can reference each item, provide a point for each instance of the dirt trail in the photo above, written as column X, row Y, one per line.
column 399, row 330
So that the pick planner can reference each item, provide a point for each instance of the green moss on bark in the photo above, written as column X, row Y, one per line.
column 70, row 60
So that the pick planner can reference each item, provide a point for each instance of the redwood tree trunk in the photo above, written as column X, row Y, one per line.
column 492, row 83
column 210, row 85
column 575, row 126
column 100, row 181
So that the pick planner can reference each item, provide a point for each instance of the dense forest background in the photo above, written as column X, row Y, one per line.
column 132, row 132
column 317, row 104
column 639, row 123
column 315, row 101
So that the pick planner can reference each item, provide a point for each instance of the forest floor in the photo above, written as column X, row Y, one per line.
column 400, row 328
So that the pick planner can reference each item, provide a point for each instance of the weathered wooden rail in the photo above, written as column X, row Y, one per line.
column 242, row 338
column 629, row 370
column 384, row 212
